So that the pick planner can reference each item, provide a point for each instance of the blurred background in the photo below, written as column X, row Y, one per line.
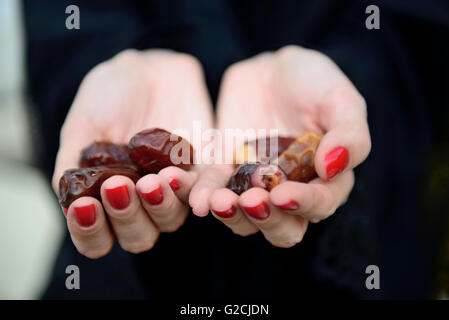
column 31, row 225
column 31, row 229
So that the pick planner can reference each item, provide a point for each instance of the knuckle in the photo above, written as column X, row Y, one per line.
column 320, row 195
column 288, row 51
column 173, row 226
column 236, row 70
column 94, row 253
column 139, row 246
column 187, row 62
column 290, row 240
column 331, row 210
column 329, row 200
column 362, row 143
column 288, row 243
column 340, row 95
column 366, row 147
column 244, row 232
column 128, row 56
column 168, row 209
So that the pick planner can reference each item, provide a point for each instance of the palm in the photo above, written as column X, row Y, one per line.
column 132, row 93
column 283, row 92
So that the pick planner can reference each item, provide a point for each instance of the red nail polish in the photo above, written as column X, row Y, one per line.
column 85, row 215
column 290, row 206
column 154, row 197
column 64, row 210
column 118, row 197
column 225, row 214
column 260, row 212
column 336, row 161
column 174, row 185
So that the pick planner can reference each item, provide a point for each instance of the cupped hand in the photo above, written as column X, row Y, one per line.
column 293, row 90
column 118, row 98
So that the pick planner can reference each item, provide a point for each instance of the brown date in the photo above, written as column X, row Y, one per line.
column 259, row 150
column 295, row 162
column 262, row 175
column 298, row 161
column 105, row 154
column 152, row 150
column 77, row 183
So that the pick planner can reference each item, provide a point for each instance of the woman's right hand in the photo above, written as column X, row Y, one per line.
column 118, row 98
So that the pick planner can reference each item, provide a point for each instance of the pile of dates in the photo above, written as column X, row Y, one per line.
column 293, row 159
column 148, row 151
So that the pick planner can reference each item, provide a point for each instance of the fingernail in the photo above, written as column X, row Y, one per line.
column 174, row 185
column 85, row 216
column 290, row 206
column 154, row 197
column 64, row 210
column 259, row 212
column 225, row 214
column 336, row 161
column 118, row 197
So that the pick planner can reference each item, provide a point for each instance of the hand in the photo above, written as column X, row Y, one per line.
column 118, row 98
column 293, row 90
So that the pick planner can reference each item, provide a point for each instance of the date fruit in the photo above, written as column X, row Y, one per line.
column 262, row 175
column 105, row 154
column 298, row 161
column 77, row 183
column 261, row 150
column 152, row 150
column 295, row 162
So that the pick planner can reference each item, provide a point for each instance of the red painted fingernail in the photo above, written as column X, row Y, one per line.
column 64, row 210
column 174, row 185
column 118, row 197
column 154, row 197
column 225, row 214
column 336, row 161
column 260, row 212
column 85, row 215
column 290, row 206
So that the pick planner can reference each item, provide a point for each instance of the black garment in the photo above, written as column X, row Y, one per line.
column 400, row 71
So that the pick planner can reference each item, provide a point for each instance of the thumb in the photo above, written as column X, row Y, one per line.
column 347, row 141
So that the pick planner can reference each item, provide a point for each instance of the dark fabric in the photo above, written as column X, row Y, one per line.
column 401, row 70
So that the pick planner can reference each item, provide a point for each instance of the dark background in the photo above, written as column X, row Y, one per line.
column 397, row 214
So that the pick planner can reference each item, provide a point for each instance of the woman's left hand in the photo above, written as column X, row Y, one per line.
column 293, row 90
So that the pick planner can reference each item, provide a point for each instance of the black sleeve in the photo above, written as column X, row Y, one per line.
column 57, row 58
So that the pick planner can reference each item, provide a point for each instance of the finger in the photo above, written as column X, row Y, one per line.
column 313, row 201
column 131, row 224
column 280, row 229
column 89, row 228
column 161, row 203
column 180, row 181
column 224, row 206
column 212, row 178
column 347, row 142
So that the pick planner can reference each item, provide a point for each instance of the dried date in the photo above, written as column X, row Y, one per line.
column 298, row 161
column 105, row 154
column 261, row 150
column 77, row 183
column 154, row 149
column 295, row 162
column 262, row 175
